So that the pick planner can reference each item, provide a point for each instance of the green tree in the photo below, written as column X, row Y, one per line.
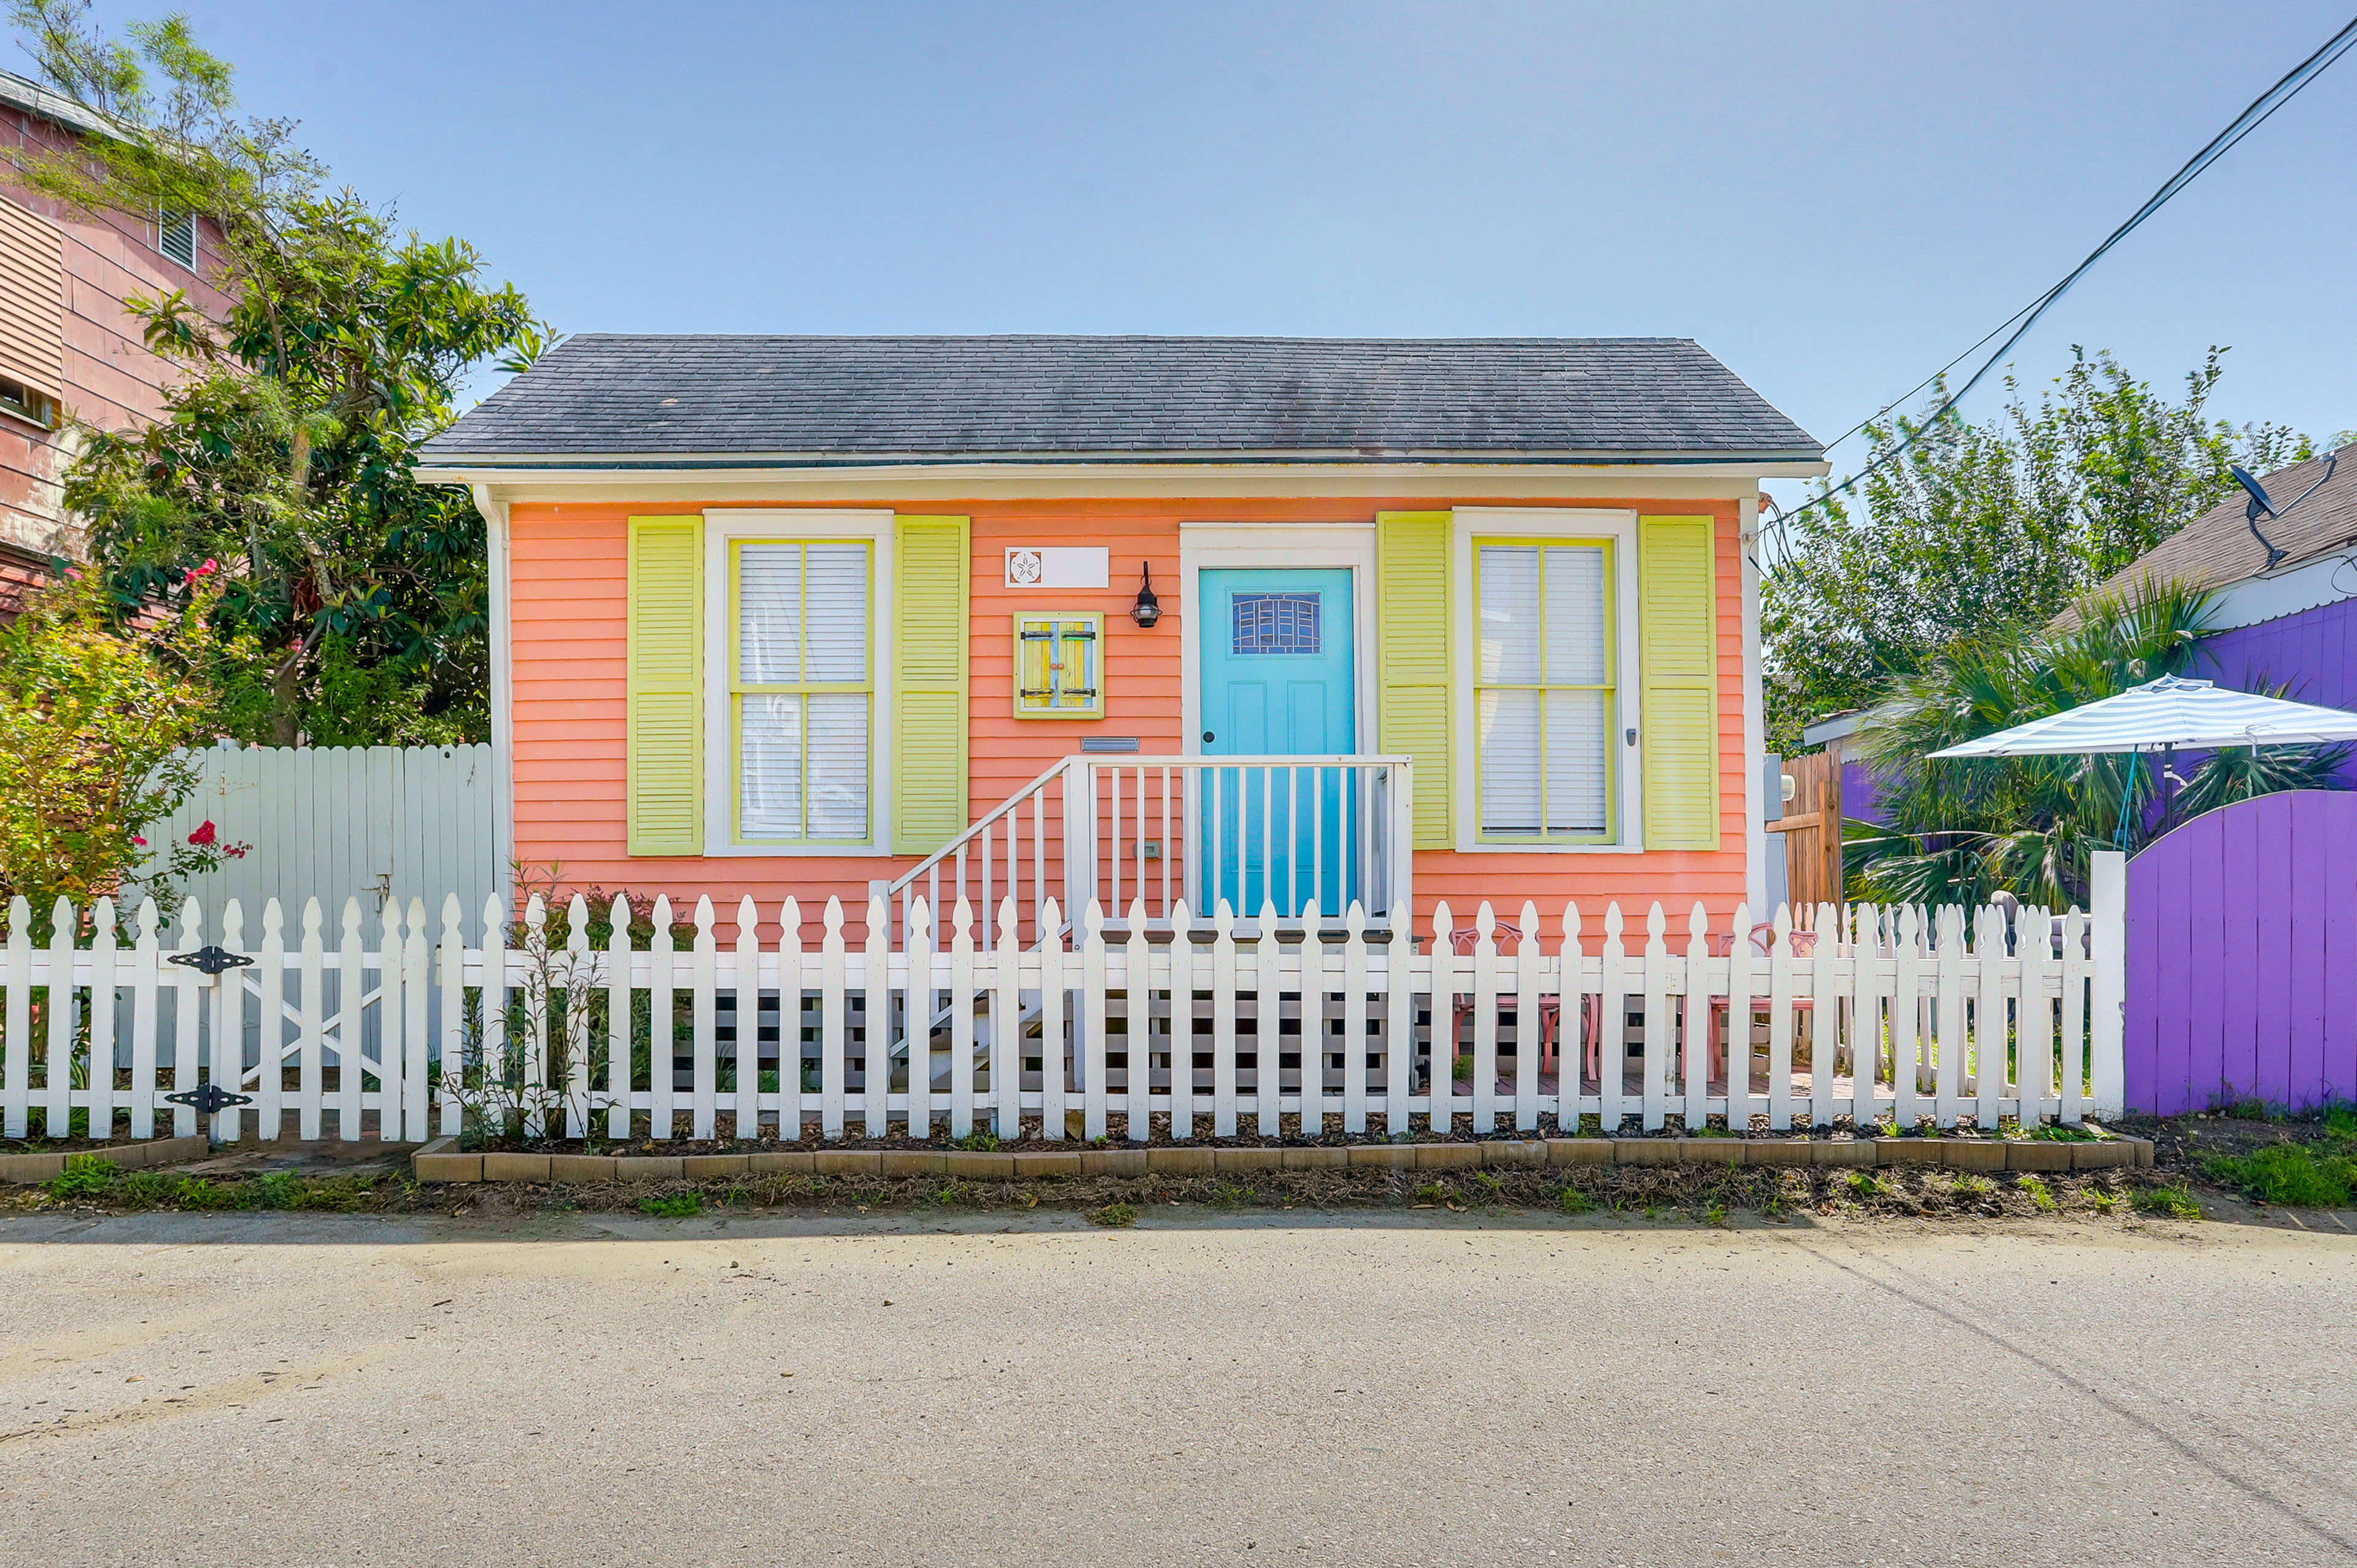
column 93, row 724
column 1978, row 528
column 1962, row 829
column 357, row 598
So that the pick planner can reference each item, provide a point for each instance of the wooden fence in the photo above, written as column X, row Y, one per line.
column 1943, row 1013
column 332, row 822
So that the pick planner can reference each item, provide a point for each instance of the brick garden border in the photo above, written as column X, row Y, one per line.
column 440, row 1161
column 26, row 1168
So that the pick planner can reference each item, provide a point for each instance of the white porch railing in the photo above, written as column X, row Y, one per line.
column 1943, row 1013
column 1288, row 836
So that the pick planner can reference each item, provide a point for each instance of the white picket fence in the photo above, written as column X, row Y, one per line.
column 1945, row 1014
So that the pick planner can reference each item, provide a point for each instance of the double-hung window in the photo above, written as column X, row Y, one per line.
column 803, row 690
column 1543, row 687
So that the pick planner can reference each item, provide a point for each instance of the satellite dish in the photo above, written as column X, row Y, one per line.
column 2260, row 505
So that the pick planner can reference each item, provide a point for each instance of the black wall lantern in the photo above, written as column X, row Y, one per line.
column 1149, row 609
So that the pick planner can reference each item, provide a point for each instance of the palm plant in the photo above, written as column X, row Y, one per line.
column 1965, row 830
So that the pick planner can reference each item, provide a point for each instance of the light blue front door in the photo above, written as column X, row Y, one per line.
column 1277, row 682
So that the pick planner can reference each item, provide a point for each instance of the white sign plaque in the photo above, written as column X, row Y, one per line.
column 1058, row 567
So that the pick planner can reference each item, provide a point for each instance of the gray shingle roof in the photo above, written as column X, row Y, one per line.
column 1042, row 397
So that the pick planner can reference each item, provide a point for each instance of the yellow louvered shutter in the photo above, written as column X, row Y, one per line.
column 1678, row 638
column 1411, row 661
column 665, row 719
column 929, row 662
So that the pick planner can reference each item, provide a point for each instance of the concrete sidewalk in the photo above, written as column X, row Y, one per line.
column 1364, row 1389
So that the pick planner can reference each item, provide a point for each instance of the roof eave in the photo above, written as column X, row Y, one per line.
column 1800, row 462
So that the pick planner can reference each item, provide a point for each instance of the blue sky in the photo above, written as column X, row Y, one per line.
column 1835, row 198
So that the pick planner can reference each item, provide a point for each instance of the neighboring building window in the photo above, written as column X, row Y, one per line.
column 175, row 236
column 22, row 400
column 1542, row 688
column 802, row 688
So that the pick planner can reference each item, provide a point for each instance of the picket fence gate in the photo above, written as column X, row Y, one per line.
column 1945, row 1014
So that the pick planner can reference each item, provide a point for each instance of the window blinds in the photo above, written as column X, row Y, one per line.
column 1543, row 693
column 804, row 694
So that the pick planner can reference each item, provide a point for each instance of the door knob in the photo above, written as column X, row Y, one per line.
column 1207, row 738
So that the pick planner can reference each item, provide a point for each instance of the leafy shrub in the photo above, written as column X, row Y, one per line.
column 2288, row 1174
column 147, row 1189
column 979, row 1142
column 2041, row 1194
column 2064, row 1132
column 199, row 1193
column 1574, row 1201
column 93, row 718
column 1113, row 1216
column 85, row 1175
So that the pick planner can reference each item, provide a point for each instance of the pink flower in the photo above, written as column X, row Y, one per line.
column 137, row 840
column 203, row 835
column 207, row 570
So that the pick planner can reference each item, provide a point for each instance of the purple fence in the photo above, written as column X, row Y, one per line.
column 2242, row 956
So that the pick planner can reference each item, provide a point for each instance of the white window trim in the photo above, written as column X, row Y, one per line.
column 1218, row 546
column 1546, row 523
column 722, row 527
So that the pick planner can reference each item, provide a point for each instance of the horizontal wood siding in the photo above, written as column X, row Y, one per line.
column 568, row 579
column 104, row 371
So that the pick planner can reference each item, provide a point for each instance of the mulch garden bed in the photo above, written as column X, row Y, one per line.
column 1700, row 1194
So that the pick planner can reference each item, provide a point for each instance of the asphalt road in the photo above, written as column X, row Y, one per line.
column 246, row 1390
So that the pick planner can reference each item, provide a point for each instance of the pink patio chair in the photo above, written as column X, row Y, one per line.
column 1722, row 945
column 1463, row 941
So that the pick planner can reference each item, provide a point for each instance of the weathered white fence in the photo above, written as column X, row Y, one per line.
column 334, row 822
column 1945, row 1014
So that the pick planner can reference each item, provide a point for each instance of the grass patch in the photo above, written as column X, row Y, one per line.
column 1574, row 1201
column 2170, row 1200
column 1113, row 1216
column 2288, row 1174
column 673, row 1205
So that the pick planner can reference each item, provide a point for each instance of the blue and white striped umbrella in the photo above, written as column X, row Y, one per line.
column 2189, row 714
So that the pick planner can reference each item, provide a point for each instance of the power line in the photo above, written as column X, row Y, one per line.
column 2255, row 114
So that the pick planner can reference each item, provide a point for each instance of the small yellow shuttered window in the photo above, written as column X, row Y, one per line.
column 1677, row 595
column 664, row 724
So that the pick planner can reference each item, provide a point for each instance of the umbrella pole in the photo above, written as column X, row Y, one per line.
column 2127, row 801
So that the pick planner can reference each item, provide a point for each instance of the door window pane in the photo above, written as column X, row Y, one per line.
column 1274, row 623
